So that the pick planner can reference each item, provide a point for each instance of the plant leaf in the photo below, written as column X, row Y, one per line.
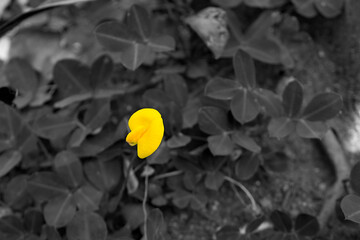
column 14, row 131
column 246, row 142
column 103, row 174
column 54, row 126
column 329, row 8
column 43, row 186
column 292, row 98
column 15, row 194
column 305, row 7
column 227, row 3
column 161, row 155
column 244, row 107
column 269, row 102
column 138, row 19
column 244, row 69
column 265, row 3
column 210, row 25
column 87, row 198
column 97, row 114
column 214, row 180
column 247, row 166
column 221, row 88
column 94, row 145
column 350, row 206
column 323, row 107
column 306, row 225
column 101, row 72
column 11, row 228
column 282, row 222
column 156, row 225
column 86, row 226
column 178, row 140
column 68, row 166
column 175, row 87
column 220, row 145
column 213, row 120
column 115, row 36
column 258, row 41
column 21, row 76
column 281, row 127
column 9, row 160
column 71, row 77
column 308, row 129
column 59, row 211
column 134, row 55
column 133, row 214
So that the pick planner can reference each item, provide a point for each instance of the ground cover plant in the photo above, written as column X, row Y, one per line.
column 179, row 119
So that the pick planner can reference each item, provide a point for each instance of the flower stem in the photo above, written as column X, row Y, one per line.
column 144, row 206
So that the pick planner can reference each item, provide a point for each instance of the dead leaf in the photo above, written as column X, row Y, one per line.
column 210, row 24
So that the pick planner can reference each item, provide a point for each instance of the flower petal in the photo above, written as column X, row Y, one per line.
column 143, row 117
column 133, row 137
column 151, row 139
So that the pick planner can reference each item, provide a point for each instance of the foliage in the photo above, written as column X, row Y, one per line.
column 65, row 167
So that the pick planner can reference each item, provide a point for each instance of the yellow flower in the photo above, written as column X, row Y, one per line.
column 147, row 131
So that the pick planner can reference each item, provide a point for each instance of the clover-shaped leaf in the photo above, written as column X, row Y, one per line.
column 134, row 38
column 245, row 142
column 282, row 222
column 265, row 3
column 87, row 198
column 86, row 226
column 221, row 88
column 21, row 76
column 292, row 98
column 306, row 225
column 68, row 166
column 244, row 69
column 221, row 144
column 350, row 206
column 246, row 166
column 43, row 186
column 244, row 106
column 59, row 211
column 8, row 160
column 309, row 122
column 307, row 129
column 104, row 175
column 323, row 107
column 328, row 8
column 281, row 127
column 213, row 120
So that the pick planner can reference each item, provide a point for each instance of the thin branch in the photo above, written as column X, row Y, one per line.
column 144, row 206
column 254, row 206
column 342, row 168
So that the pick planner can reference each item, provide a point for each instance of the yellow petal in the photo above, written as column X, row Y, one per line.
column 151, row 139
column 147, row 131
column 143, row 117
column 133, row 137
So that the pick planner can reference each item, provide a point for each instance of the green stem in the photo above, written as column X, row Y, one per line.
column 144, row 205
